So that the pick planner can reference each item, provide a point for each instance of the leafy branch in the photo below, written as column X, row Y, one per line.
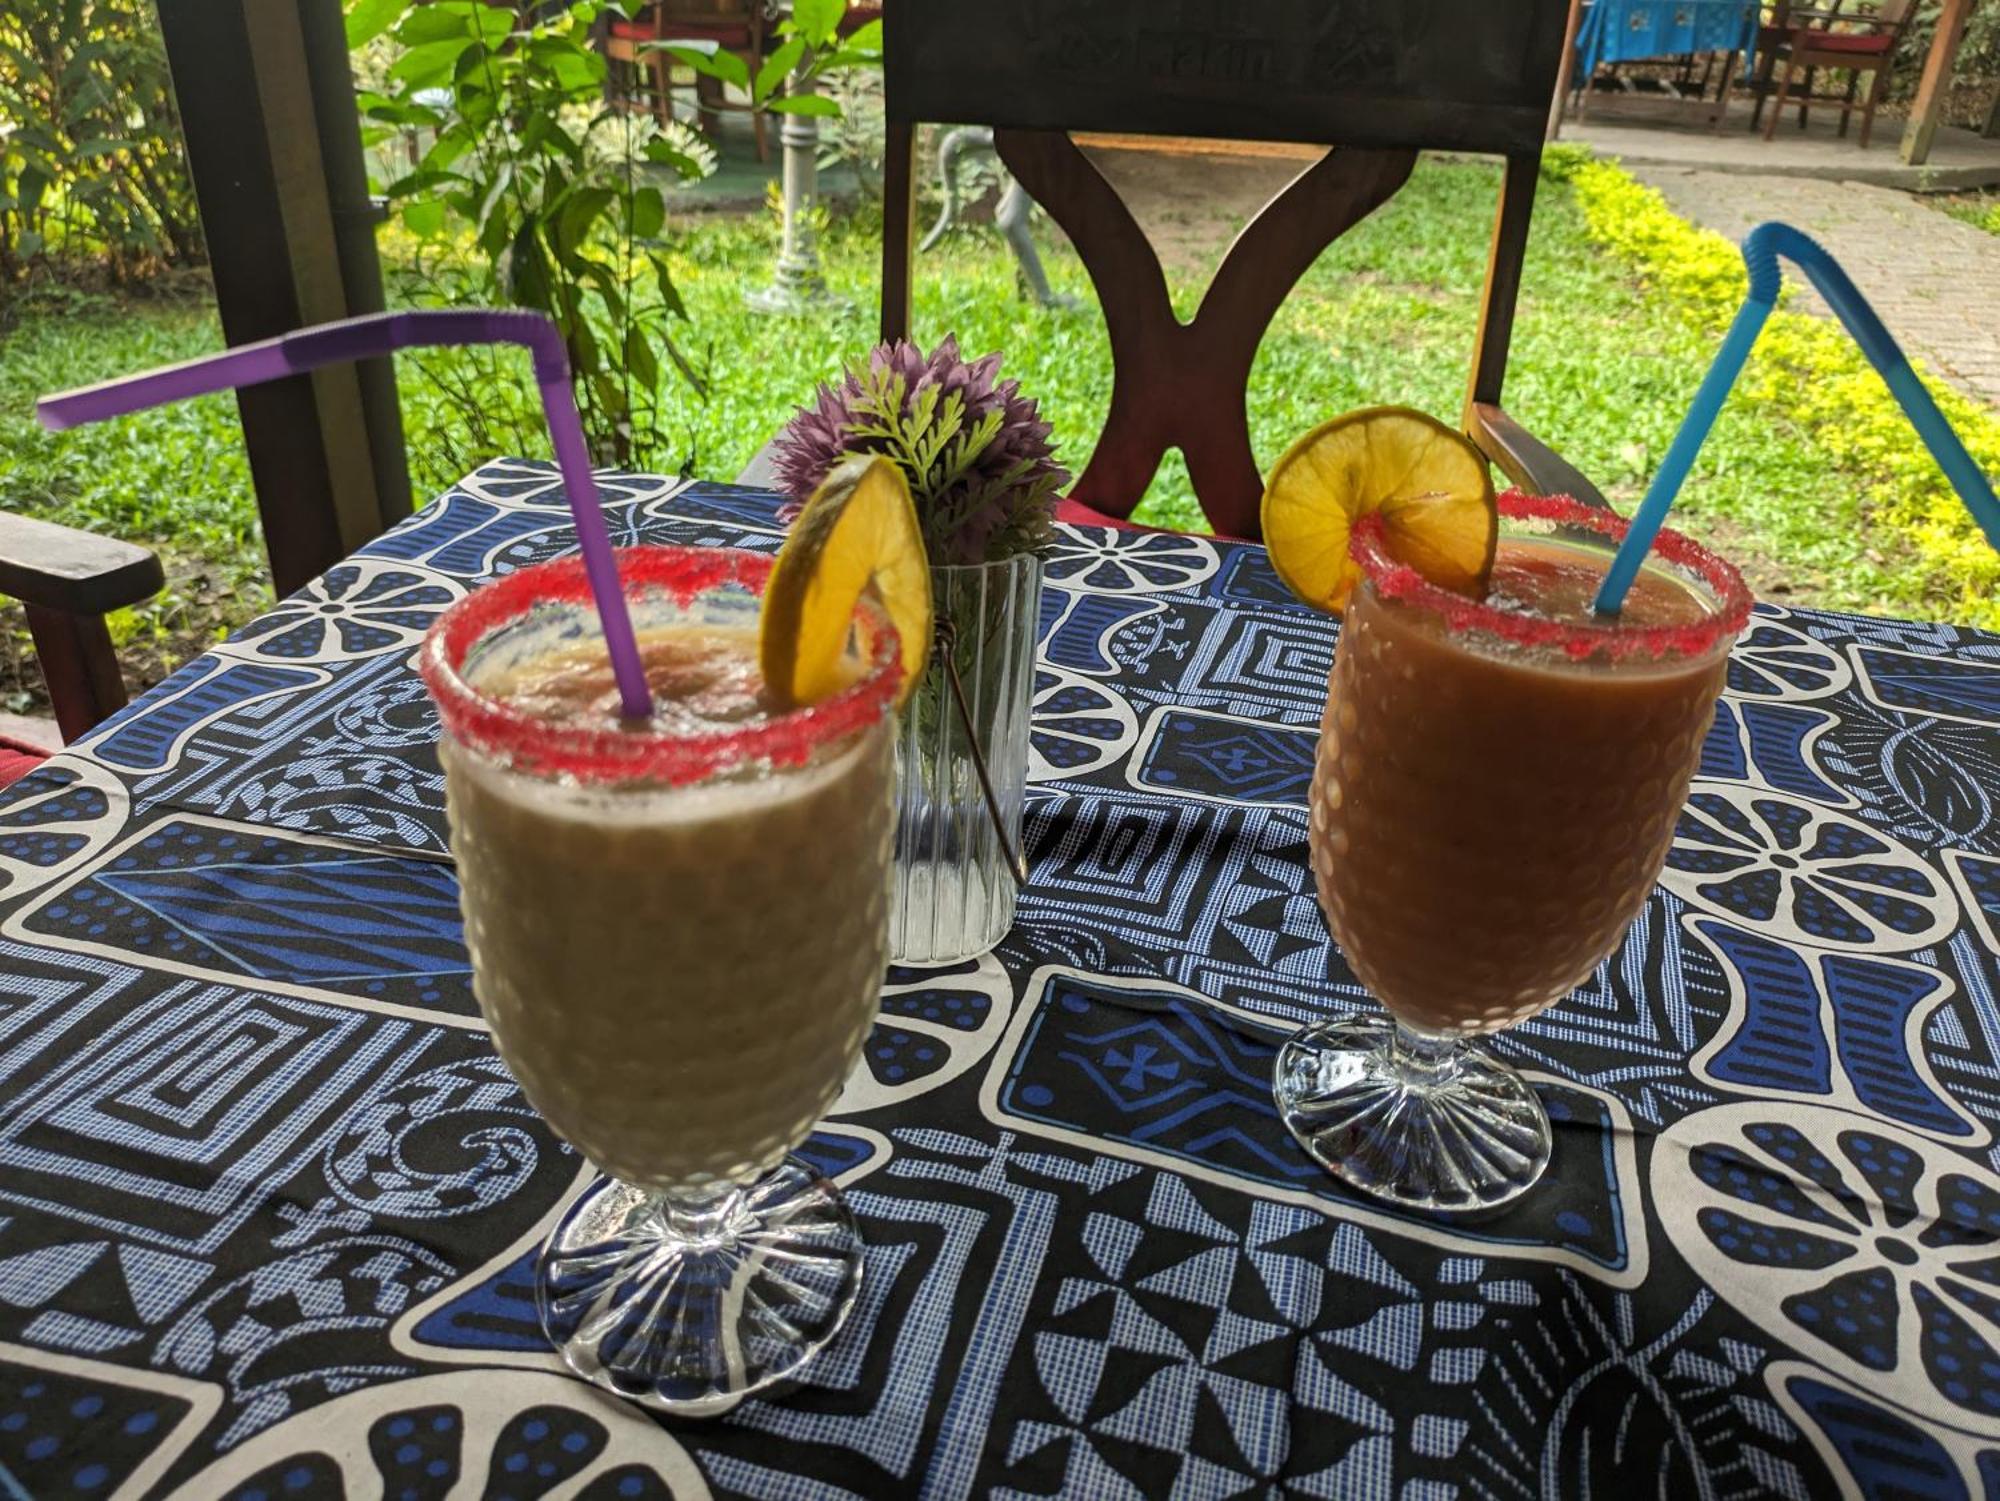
column 536, row 182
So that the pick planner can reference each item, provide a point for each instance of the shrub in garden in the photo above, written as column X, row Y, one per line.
column 533, row 189
column 90, row 163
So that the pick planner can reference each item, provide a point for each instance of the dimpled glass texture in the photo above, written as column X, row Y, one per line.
column 678, row 945
column 1492, row 801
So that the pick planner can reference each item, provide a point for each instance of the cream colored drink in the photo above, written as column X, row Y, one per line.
column 680, row 977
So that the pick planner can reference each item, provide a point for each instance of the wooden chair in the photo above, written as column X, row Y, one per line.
column 68, row 581
column 737, row 26
column 1855, row 43
column 1376, row 80
column 1774, row 46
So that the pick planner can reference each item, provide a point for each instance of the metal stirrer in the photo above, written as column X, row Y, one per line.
column 945, row 642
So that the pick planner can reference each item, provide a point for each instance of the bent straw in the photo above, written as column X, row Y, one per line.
column 1761, row 249
column 378, row 334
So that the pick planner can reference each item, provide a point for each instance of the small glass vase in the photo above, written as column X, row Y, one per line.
column 952, row 896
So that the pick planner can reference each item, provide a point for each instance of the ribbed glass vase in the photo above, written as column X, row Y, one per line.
column 953, row 896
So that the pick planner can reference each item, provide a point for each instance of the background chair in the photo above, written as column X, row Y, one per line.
column 1376, row 80
column 1806, row 41
column 737, row 26
column 68, row 581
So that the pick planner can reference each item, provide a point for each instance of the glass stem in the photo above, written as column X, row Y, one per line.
column 1427, row 1060
column 701, row 1217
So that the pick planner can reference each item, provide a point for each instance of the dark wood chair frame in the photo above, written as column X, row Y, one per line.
column 1370, row 79
column 68, row 581
column 1804, row 50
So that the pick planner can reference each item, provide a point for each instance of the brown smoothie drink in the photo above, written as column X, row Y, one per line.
column 681, row 978
column 1488, row 818
column 1497, row 782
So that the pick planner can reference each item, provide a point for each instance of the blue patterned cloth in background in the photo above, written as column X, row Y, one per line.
column 268, row 1201
column 1616, row 31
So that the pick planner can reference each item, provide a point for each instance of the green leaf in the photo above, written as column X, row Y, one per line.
column 30, row 186
column 440, row 22
column 527, row 272
column 573, row 68
column 449, row 146
column 817, row 20
column 640, row 359
column 473, row 65
column 396, row 111
column 605, row 280
column 493, row 195
column 667, row 154
column 424, row 217
column 585, row 357
column 805, row 104
column 493, row 22
column 578, row 215
column 368, row 19
column 663, row 277
column 609, row 394
column 431, row 64
column 777, row 67
column 710, row 62
column 863, row 44
column 420, row 180
column 647, row 214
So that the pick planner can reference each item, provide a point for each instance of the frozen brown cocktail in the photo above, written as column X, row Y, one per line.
column 678, row 937
column 1495, row 789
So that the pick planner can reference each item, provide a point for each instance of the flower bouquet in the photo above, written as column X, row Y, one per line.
column 984, row 477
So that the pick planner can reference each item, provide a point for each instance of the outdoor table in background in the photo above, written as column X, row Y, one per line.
column 267, row 1199
column 1615, row 31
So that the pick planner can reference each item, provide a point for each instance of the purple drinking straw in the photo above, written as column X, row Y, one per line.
column 368, row 338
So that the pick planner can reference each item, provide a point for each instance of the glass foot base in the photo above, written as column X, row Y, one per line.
column 1447, row 1128
column 687, row 1307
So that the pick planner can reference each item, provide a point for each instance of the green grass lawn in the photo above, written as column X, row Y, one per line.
column 1602, row 369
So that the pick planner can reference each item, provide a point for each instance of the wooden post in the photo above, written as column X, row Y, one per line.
column 274, row 149
column 899, row 227
column 1565, row 68
column 1922, row 129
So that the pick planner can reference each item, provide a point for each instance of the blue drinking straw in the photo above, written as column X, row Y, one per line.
column 371, row 336
column 1761, row 249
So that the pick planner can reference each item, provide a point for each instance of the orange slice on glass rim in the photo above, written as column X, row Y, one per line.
column 1428, row 483
column 858, row 532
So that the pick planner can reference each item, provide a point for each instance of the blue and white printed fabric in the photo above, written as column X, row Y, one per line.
column 1616, row 31
column 268, row 1200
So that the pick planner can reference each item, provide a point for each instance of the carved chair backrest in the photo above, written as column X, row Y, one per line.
column 1376, row 80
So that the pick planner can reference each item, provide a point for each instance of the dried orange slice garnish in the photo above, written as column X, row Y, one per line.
column 1429, row 484
column 859, row 531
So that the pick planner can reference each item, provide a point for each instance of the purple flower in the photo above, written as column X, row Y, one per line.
column 975, row 450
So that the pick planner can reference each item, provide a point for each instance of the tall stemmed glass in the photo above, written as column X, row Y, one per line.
column 1494, row 795
column 678, row 939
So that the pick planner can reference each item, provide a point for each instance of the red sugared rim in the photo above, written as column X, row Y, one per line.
column 1402, row 583
column 600, row 757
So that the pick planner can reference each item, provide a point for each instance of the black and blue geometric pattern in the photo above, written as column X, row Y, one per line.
column 268, row 1201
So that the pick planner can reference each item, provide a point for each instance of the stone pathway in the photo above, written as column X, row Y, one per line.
column 1934, row 279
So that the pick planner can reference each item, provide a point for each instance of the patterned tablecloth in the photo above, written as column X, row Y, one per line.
column 267, row 1199
column 1616, row 31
